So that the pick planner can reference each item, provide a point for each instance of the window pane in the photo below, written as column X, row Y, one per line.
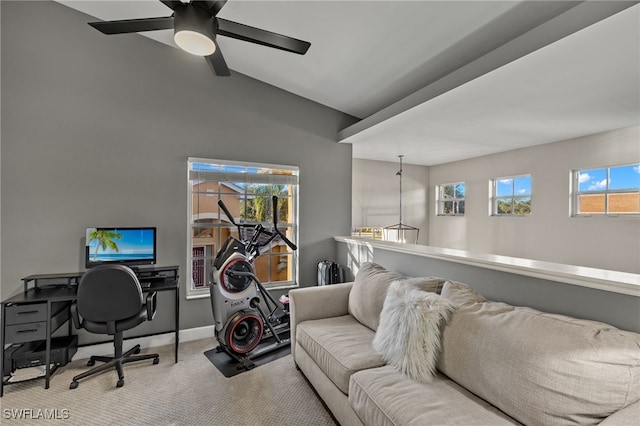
column 592, row 180
column 200, row 266
column 460, row 207
column 504, row 187
column 522, row 185
column 247, row 192
column 625, row 177
column 503, row 206
column 460, row 190
column 627, row 203
column 591, row 204
column 522, row 206
column 285, row 205
column 447, row 207
column 205, row 206
column 448, row 192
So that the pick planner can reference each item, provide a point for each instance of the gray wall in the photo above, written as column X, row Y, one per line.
column 616, row 309
column 97, row 130
column 549, row 233
column 376, row 195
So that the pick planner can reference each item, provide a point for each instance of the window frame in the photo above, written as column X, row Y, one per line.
column 493, row 187
column 230, row 177
column 576, row 193
column 440, row 200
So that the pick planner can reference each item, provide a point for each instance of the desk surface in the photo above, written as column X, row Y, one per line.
column 139, row 269
column 58, row 293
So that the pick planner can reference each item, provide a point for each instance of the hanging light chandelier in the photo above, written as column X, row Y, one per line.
column 400, row 232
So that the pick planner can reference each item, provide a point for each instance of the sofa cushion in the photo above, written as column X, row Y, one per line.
column 461, row 294
column 384, row 396
column 340, row 346
column 408, row 336
column 370, row 288
column 541, row 368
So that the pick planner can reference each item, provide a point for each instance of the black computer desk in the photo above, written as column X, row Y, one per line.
column 42, row 308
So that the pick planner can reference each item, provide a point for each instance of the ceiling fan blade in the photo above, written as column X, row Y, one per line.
column 133, row 25
column 216, row 6
column 263, row 37
column 217, row 63
column 171, row 4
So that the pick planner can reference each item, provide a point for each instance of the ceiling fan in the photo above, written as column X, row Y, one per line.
column 196, row 27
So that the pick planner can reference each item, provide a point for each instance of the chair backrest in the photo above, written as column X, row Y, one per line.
column 109, row 293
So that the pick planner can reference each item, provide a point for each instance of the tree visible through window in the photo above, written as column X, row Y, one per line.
column 247, row 191
column 607, row 191
column 511, row 196
column 450, row 199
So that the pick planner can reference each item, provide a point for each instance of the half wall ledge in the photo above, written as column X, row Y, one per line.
column 601, row 279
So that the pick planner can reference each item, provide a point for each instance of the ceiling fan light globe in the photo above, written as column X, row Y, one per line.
column 194, row 42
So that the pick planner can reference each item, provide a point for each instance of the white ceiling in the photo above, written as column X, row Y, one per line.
column 440, row 81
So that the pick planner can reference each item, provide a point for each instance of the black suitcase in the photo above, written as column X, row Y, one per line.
column 330, row 273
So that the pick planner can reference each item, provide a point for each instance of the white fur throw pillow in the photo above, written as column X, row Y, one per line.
column 408, row 336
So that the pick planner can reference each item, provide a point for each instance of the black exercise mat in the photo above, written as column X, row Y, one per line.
column 230, row 367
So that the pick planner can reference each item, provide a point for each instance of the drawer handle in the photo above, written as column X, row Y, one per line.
column 33, row 330
column 27, row 312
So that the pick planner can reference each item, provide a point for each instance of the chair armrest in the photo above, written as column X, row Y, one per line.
column 627, row 416
column 311, row 303
column 152, row 302
column 75, row 316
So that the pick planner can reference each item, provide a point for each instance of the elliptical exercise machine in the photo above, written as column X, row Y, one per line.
column 236, row 292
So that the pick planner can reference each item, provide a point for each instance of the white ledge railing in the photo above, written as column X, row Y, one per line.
column 601, row 279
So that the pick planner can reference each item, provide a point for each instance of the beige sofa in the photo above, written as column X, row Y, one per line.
column 499, row 364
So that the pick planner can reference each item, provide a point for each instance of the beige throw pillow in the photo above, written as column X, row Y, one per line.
column 408, row 336
column 370, row 289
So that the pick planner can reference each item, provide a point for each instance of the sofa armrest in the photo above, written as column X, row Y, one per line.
column 627, row 416
column 311, row 303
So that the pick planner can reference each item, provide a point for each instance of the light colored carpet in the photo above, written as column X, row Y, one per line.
column 191, row 392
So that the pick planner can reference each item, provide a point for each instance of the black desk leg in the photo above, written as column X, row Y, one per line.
column 177, row 313
column 2, row 346
column 47, row 355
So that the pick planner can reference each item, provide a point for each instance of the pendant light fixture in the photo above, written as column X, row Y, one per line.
column 194, row 30
column 400, row 232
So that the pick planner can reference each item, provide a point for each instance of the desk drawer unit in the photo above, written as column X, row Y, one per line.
column 28, row 322
column 20, row 333
column 21, row 314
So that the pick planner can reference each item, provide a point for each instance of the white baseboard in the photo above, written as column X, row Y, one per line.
column 190, row 334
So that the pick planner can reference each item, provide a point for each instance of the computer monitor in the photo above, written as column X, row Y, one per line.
column 128, row 246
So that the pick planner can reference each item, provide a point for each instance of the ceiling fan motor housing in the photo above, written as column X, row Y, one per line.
column 195, row 20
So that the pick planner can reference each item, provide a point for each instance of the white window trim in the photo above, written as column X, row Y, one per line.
column 204, row 293
column 440, row 201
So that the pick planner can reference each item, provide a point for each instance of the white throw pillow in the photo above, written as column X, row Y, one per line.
column 408, row 336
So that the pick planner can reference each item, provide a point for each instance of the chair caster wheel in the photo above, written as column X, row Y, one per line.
column 120, row 383
column 137, row 351
column 73, row 385
column 156, row 360
column 91, row 363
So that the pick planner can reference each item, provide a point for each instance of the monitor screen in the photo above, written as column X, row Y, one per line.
column 129, row 246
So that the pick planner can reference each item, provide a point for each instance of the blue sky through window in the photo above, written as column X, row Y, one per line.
column 518, row 186
column 621, row 177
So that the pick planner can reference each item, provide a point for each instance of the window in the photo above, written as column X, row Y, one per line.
column 450, row 199
column 606, row 191
column 247, row 190
column 511, row 196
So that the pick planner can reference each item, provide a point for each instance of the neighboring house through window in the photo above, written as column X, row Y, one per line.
column 607, row 191
column 247, row 190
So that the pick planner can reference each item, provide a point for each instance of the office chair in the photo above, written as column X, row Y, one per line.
column 109, row 302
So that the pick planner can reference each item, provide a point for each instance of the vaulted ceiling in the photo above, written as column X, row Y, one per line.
column 440, row 81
